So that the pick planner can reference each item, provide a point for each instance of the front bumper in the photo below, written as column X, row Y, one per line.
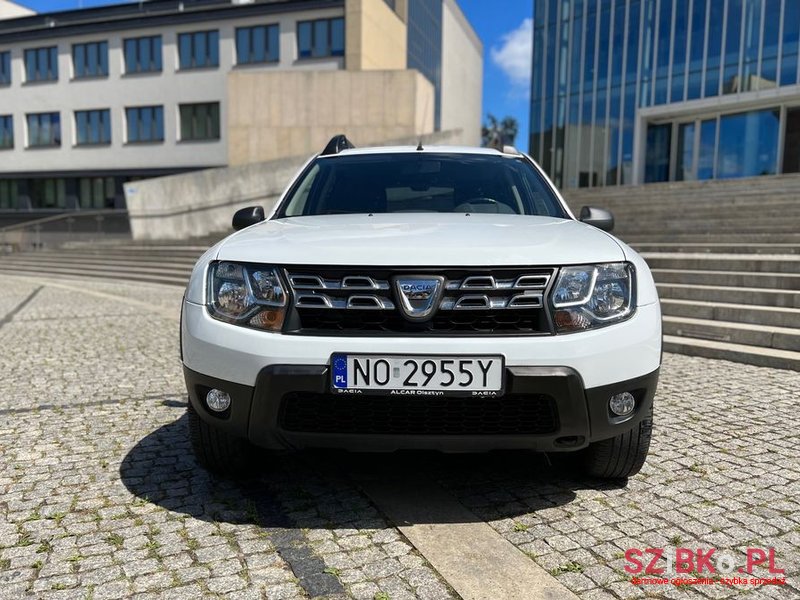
column 582, row 414
column 601, row 356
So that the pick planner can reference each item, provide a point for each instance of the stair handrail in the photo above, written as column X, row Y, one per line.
column 13, row 237
column 72, row 214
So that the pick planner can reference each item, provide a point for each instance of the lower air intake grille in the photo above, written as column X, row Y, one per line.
column 363, row 414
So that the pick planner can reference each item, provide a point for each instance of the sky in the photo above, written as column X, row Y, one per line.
column 506, row 29
column 504, row 26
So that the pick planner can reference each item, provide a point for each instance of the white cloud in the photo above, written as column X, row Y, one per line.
column 513, row 56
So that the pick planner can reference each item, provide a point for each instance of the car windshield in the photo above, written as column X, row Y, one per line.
column 421, row 182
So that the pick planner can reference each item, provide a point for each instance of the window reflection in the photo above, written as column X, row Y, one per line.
column 685, row 167
column 705, row 153
column 658, row 149
column 679, row 49
column 596, row 62
column 748, row 144
column 752, row 37
column 791, row 33
column 769, row 58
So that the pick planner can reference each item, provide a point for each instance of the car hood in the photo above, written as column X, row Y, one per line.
column 421, row 239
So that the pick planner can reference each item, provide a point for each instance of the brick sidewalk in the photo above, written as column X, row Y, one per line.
column 100, row 496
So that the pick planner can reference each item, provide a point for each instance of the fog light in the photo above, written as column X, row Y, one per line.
column 622, row 404
column 217, row 400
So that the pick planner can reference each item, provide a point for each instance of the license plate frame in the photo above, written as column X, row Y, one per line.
column 393, row 358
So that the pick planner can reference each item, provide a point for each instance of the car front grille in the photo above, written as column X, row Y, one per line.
column 513, row 414
column 363, row 301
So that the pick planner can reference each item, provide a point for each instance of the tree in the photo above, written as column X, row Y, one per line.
column 497, row 134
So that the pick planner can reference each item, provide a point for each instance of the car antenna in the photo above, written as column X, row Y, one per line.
column 337, row 144
column 419, row 146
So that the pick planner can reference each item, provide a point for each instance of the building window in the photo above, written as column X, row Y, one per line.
column 199, row 49
column 8, row 193
column 41, row 64
column 143, row 55
column 424, row 53
column 748, row 144
column 48, row 192
column 6, row 132
column 92, row 127
column 199, row 121
column 659, row 138
column 96, row 192
column 5, row 68
column 320, row 38
column 257, row 44
column 145, row 124
column 44, row 130
column 90, row 59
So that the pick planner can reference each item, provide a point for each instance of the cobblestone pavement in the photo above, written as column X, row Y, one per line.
column 101, row 498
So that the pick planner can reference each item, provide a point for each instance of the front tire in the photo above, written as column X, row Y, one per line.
column 621, row 456
column 216, row 450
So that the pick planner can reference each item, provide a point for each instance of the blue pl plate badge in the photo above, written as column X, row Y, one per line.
column 339, row 363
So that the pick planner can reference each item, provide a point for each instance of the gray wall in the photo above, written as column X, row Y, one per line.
column 201, row 203
column 462, row 75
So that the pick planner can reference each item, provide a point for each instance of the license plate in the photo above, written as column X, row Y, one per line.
column 417, row 375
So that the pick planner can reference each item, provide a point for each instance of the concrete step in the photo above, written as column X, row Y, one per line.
column 739, row 313
column 108, row 274
column 718, row 227
column 735, row 295
column 652, row 211
column 155, row 268
column 676, row 213
column 136, row 246
column 719, row 248
column 742, row 192
column 766, row 185
column 124, row 252
column 762, row 263
column 752, row 355
column 667, row 207
column 70, row 259
column 710, row 237
column 779, row 338
column 667, row 204
column 686, row 214
column 780, row 281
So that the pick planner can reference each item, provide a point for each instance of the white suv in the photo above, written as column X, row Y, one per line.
column 430, row 298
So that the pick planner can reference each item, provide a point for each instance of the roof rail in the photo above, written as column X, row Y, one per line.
column 337, row 144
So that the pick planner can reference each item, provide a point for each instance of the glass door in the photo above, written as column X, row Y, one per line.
column 791, row 142
column 659, row 139
column 686, row 158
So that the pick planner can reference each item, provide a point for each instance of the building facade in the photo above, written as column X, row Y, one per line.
column 93, row 98
column 10, row 10
column 639, row 91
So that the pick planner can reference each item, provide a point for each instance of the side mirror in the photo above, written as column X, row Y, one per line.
column 599, row 217
column 247, row 216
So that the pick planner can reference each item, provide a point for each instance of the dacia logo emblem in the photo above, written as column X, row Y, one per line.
column 419, row 296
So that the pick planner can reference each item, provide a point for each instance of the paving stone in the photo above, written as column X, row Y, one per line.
column 225, row 585
column 710, row 480
column 100, row 493
column 364, row 591
column 99, row 490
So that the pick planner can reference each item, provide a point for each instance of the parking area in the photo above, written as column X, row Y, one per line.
column 100, row 496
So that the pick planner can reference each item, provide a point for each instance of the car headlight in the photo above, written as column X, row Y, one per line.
column 592, row 296
column 249, row 295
